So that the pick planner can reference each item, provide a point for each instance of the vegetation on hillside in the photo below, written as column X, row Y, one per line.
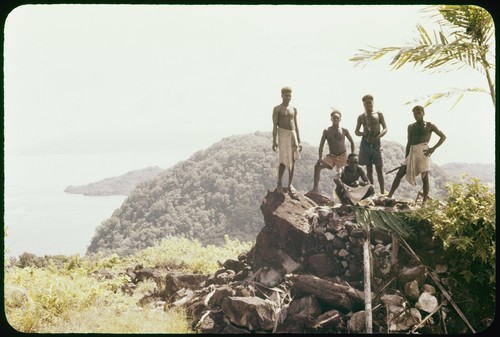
column 218, row 192
column 483, row 172
column 465, row 221
column 58, row 294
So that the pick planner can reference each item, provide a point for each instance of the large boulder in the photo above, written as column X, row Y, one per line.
column 280, row 244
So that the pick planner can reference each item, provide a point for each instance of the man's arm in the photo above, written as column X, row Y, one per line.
column 363, row 176
column 297, row 129
column 408, row 141
column 349, row 138
column 441, row 140
column 381, row 120
column 275, row 128
column 357, row 132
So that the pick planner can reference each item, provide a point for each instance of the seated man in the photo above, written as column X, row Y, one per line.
column 349, row 189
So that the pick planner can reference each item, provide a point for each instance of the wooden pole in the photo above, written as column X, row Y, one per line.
column 435, row 278
column 367, row 282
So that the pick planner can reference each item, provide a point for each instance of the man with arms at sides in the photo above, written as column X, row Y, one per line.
column 286, row 138
column 370, row 149
column 418, row 152
column 337, row 157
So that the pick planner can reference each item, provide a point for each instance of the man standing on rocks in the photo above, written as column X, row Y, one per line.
column 370, row 149
column 337, row 156
column 418, row 152
column 286, row 138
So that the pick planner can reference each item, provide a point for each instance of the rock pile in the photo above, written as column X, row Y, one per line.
column 305, row 274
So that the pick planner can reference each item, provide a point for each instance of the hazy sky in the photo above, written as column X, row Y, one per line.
column 146, row 78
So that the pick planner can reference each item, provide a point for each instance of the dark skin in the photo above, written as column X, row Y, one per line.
column 335, row 136
column 374, row 128
column 285, row 117
column 419, row 132
column 351, row 176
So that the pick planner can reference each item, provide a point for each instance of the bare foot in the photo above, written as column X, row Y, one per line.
column 293, row 193
column 279, row 189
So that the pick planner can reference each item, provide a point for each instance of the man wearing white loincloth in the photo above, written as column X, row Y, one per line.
column 286, row 138
column 350, row 189
column 417, row 157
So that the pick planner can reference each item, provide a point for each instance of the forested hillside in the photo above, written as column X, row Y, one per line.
column 218, row 191
column 121, row 185
column 483, row 172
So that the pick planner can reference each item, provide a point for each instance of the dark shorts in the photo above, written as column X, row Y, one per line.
column 370, row 153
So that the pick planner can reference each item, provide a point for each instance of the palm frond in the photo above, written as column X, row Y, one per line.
column 392, row 222
column 433, row 52
column 440, row 96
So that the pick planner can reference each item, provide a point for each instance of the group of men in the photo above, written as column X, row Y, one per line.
column 352, row 184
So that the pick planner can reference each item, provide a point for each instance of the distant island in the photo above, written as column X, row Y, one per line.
column 121, row 185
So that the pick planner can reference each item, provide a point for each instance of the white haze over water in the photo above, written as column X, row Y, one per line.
column 95, row 91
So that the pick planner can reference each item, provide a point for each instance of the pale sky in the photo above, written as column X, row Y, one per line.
column 146, row 78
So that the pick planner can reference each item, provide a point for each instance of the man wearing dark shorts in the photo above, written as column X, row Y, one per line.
column 370, row 149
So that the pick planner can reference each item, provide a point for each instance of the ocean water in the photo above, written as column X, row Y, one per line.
column 40, row 218
column 44, row 220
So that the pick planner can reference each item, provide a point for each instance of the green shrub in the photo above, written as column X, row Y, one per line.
column 35, row 298
column 190, row 255
column 466, row 223
column 66, row 294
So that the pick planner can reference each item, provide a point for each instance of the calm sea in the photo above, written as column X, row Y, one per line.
column 40, row 218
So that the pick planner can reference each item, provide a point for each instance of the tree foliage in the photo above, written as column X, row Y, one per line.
column 217, row 192
column 465, row 38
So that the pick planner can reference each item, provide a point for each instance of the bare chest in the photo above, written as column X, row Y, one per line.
column 286, row 111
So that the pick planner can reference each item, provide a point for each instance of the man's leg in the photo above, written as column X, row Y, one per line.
column 317, row 175
column 290, row 177
column 281, row 171
column 291, row 190
column 341, row 192
column 395, row 184
column 369, row 172
column 380, row 177
column 369, row 193
column 425, row 182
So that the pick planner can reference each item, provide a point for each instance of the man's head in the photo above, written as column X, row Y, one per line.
column 335, row 116
column 286, row 94
column 352, row 160
column 367, row 97
column 368, row 102
column 418, row 112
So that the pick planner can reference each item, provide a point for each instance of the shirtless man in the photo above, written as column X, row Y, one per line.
column 337, row 157
column 370, row 150
column 286, row 138
column 418, row 152
column 350, row 189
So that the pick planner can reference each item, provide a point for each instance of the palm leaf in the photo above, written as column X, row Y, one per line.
column 396, row 222
column 433, row 98
column 362, row 217
column 389, row 221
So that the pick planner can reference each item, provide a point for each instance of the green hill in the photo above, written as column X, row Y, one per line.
column 218, row 191
column 483, row 172
column 121, row 185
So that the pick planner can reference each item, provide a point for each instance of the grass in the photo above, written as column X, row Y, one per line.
column 67, row 297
